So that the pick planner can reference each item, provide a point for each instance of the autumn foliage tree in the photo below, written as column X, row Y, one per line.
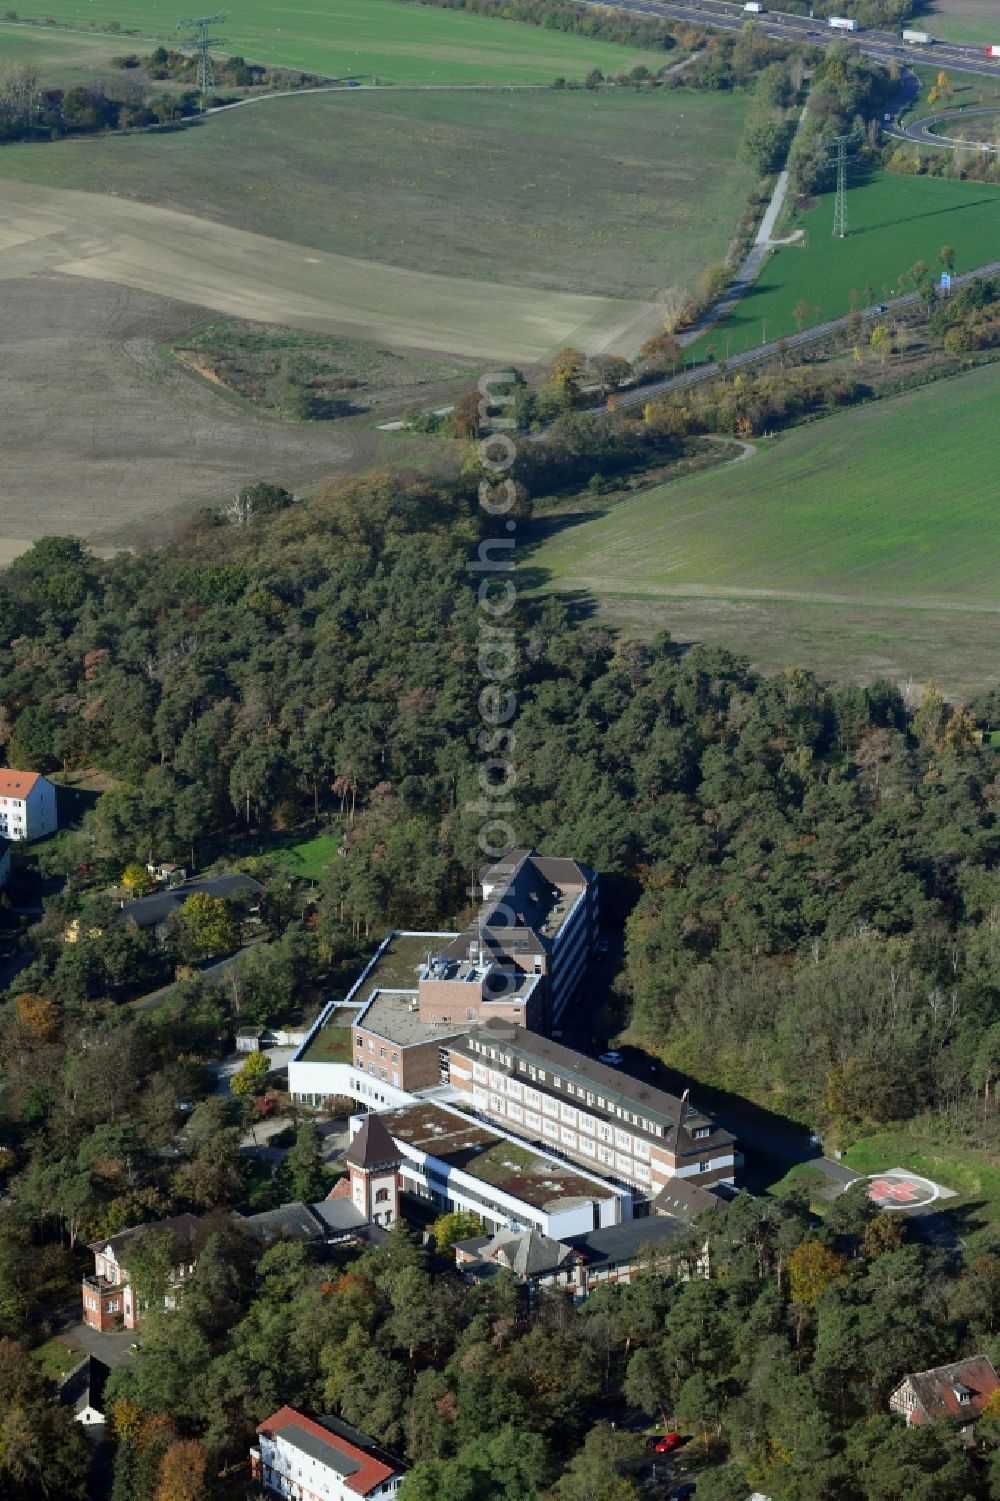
column 182, row 1472
column 812, row 1267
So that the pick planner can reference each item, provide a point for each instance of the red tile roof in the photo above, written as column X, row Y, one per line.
column 372, row 1473
column 16, row 783
column 935, row 1389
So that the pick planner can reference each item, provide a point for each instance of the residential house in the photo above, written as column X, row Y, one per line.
column 27, row 805
column 109, row 1299
column 955, row 1392
column 321, row 1458
column 590, row 1112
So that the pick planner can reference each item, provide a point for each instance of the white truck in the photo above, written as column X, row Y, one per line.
column 754, row 7
column 843, row 23
column 920, row 38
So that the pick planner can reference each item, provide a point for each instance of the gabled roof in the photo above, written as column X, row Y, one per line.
column 183, row 1226
column 16, row 783
column 83, row 1388
column 939, row 1391
column 686, row 1200
column 361, row 1464
column 373, row 1146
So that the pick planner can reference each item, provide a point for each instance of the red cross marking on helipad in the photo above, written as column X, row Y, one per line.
column 902, row 1193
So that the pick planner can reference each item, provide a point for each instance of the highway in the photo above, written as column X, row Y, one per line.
column 886, row 46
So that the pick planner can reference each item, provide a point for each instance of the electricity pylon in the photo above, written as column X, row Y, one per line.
column 840, row 205
column 200, row 25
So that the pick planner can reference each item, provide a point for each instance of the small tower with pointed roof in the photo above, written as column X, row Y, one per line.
column 374, row 1160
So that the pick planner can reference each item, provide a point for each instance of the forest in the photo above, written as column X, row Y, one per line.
column 805, row 876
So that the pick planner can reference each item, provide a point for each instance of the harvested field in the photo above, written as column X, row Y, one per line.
column 103, row 238
column 612, row 194
column 103, row 437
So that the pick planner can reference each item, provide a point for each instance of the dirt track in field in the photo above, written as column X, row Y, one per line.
column 105, row 238
column 102, row 436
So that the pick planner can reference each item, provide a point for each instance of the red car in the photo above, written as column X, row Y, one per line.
column 667, row 1444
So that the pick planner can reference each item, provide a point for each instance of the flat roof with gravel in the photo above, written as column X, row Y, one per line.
column 472, row 1147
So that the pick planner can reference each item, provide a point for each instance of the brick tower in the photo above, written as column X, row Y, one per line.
column 374, row 1162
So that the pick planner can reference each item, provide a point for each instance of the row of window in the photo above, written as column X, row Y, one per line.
column 359, row 1042
column 383, row 1073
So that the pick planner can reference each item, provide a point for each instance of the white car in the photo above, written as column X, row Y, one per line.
column 614, row 1058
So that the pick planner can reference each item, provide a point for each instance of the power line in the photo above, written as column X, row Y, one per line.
column 206, row 72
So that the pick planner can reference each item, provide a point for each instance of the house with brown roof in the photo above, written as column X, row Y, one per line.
column 322, row 1458
column 109, row 1299
column 27, row 805
column 956, row 1392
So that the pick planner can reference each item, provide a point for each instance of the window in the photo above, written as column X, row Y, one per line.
column 371, row 1068
column 395, row 1057
column 371, row 1044
column 700, row 1132
column 383, row 1073
column 381, row 1195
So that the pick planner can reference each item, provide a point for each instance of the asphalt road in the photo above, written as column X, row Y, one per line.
column 640, row 394
column 885, row 45
column 922, row 133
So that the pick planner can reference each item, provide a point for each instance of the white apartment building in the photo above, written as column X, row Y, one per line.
column 321, row 1459
column 27, row 805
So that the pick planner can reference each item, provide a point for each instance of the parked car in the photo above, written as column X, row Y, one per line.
column 602, row 946
column 666, row 1443
column 614, row 1058
column 682, row 1492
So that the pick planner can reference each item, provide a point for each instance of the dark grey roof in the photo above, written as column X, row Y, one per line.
column 150, row 911
column 373, row 1146
column 360, row 1440
column 620, row 1245
column 288, row 1222
column 328, row 1455
column 84, row 1386
column 183, row 1227
column 339, row 1214
column 621, row 1088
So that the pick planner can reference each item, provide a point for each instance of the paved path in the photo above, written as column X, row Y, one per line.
column 641, row 394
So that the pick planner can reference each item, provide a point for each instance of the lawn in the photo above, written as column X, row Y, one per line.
column 614, row 195
column 863, row 544
column 973, row 1175
column 365, row 39
column 308, row 858
column 974, row 21
column 895, row 221
column 56, row 1358
column 62, row 58
column 332, row 1043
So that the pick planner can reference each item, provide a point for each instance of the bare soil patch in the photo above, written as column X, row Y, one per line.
column 102, row 436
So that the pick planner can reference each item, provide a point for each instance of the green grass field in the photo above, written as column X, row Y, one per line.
column 863, row 544
column 974, row 1176
column 365, row 39
column 894, row 222
column 610, row 194
column 974, row 21
column 308, row 858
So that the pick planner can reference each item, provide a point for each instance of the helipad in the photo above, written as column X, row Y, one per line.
column 900, row 1189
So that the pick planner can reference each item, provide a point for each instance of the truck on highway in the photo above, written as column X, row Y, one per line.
column 754, row 7
column 993, row 51
column 843, row 23
column 920, row 38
